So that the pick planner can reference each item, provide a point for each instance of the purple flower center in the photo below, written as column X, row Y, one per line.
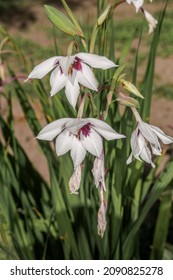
column 77, row 65
column 86, row 129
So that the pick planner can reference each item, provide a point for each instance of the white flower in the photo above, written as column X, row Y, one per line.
column 98, row 171
column 152, row 22
column 78, row 136
column 137, row 3
column 145, row 141
column 69, row 71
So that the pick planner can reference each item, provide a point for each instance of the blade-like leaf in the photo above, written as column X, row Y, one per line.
column 161, row 184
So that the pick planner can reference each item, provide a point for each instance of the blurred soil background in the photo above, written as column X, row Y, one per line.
column 27, row 23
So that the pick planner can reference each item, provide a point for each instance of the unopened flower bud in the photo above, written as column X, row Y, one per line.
column 103, row 16
column 101, row 216
column 128, row 101
column 152, row 22
column 130, row 87
column 74, row 183
column 98, row 171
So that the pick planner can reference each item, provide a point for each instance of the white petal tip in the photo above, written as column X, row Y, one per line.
column 74, row 193
column 95, row 89
column 120, row 136
column 52, row 93
column 74, row 107
column 112, row 64
column 37, row 137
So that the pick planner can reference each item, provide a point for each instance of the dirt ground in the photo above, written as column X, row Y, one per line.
column 161, row 110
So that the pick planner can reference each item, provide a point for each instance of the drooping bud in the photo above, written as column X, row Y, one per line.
column 127, row 101
column 74, row 183
column 101, row 216
column 98, row 171
column 101, row 225
column 130, row 87
column 152, row 22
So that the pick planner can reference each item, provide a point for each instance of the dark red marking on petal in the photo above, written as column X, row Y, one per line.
column 138, row 131
column 56, row 64
column 77, row 65
column 61, row 70
column 86, row 129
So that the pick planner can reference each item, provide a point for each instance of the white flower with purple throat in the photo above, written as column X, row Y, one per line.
column 78, row 136
column 70, row 71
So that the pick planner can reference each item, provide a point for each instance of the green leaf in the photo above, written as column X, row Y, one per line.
column 162, row 226
column 149, row 74
column 66, row 233
column 61, row 21
column 160, row 185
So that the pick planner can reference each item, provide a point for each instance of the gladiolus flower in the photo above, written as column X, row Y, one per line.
column 70, row 71
column 78, row 136
column 152, row 22
column 145, row 141
column 137, row 3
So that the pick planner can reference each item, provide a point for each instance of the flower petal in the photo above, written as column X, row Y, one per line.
column 137, row 143
column 72, row 76
column 155, row 150
column 104, row 129
column 65, row 63
column 44, row 67
column 57, row 80
column 129, row 160
column 152, row 22
column 136, row 3
column 74, row 125
column 140, row 143
column 77, row 152
column 64, row 143
column 50, row 131
column 146, row 156
column 92, row 143
column 148, row 133
column 96, row 61
column 161, row 135
column 72, row 92
column 87, row 78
